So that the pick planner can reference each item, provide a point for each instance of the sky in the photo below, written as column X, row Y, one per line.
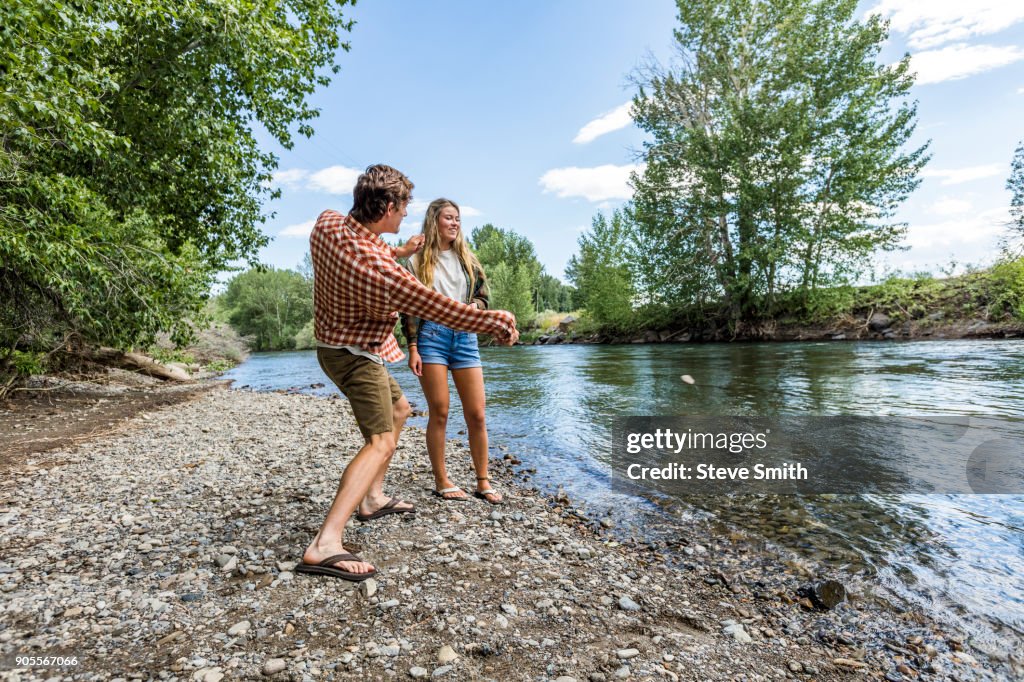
column 519, row 113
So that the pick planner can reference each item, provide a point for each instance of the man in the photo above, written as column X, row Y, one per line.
column 358, row 291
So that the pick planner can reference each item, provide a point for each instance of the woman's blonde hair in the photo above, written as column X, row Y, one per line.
column 427, row 260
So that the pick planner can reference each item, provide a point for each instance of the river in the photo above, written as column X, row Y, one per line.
column 960, row 557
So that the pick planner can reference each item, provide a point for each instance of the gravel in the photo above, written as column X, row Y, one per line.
column 167, row 552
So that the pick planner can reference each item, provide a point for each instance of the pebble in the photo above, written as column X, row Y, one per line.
column 272, row 666
column 626, row 654
column 368, row 588
column 418, row 673
column 239, row 628
column 446, row 654
column 443, row 670
column 737, row 632
column 627, row 604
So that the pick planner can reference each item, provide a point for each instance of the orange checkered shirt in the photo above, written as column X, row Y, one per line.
column 359, row 289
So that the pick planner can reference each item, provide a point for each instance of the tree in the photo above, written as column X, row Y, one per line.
column 601, row 271
column 512, row 269
column 1015, row 183
column 777, row 155
column 269, row 305
column 129, row 170
column 552, row 294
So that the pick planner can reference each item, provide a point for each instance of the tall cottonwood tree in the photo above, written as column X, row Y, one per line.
column 129, row 169
column 777, row 154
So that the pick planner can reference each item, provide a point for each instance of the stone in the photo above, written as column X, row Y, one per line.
column 442, row 671
column 627, row 604
column 879, row 321
column 626, row 654
column 368, row 588
column 737, row 632
column 239, row 629
column 446, row 654
column 272, row 666
column 418, row 673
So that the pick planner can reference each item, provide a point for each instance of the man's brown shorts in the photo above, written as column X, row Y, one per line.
column 370, row 389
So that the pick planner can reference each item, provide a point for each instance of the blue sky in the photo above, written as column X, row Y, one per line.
column 517, row 112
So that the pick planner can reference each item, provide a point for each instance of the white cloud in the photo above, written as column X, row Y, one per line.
column 334, row 180
column 930, row 23
column 616, row 119
column 960, row 61
column 290, row 178
column 976, row 235
column 956, row 176
column 417, row 207
column 469, row 211
column 950, row 206
column 601, row 183
column 1020, row 91
column 298, row 229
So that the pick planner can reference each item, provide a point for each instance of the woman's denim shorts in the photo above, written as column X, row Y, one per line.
column 439, row 345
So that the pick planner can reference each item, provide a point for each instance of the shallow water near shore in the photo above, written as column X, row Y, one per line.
column 959, row 557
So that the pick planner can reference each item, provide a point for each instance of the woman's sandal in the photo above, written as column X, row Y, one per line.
column 482, row 494
column 453, row 489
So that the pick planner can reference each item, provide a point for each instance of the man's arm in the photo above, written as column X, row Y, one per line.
column 408, row 295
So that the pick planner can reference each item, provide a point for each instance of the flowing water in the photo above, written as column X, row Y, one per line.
column 961, row 557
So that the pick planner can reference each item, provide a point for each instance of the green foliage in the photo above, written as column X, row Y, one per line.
column 305, row 338
column 1008, row 289
column 601, row 271
column 26, row 363
column 551, row 294
column 219, row 366
column 511, row 291
column 129, row 167
column 512, row 269
column 776, row 160
column 270, row 306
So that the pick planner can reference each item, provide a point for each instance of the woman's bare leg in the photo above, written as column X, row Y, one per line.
column 469, row 383
column 435, row 389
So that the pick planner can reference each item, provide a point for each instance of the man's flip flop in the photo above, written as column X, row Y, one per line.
column 388, row 508
column 326, row 567
column 453, row 489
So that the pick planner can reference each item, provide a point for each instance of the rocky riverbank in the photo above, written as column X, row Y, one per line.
column 166, row 549
column 876, row 327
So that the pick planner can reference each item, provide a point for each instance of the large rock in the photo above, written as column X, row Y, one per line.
column 879, row 321
column 567, row 322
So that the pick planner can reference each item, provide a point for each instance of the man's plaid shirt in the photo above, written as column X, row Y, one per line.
column 359, row 289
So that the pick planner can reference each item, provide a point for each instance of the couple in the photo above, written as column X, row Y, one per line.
column 359, row 289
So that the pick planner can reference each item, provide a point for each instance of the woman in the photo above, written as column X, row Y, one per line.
column 447, row 265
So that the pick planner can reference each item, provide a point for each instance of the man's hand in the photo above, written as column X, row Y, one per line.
column 510, row 338
column 414, row 244
column 415, row 361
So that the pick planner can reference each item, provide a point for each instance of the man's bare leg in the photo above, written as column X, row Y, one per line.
column 375, row 497
column 355, row 482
